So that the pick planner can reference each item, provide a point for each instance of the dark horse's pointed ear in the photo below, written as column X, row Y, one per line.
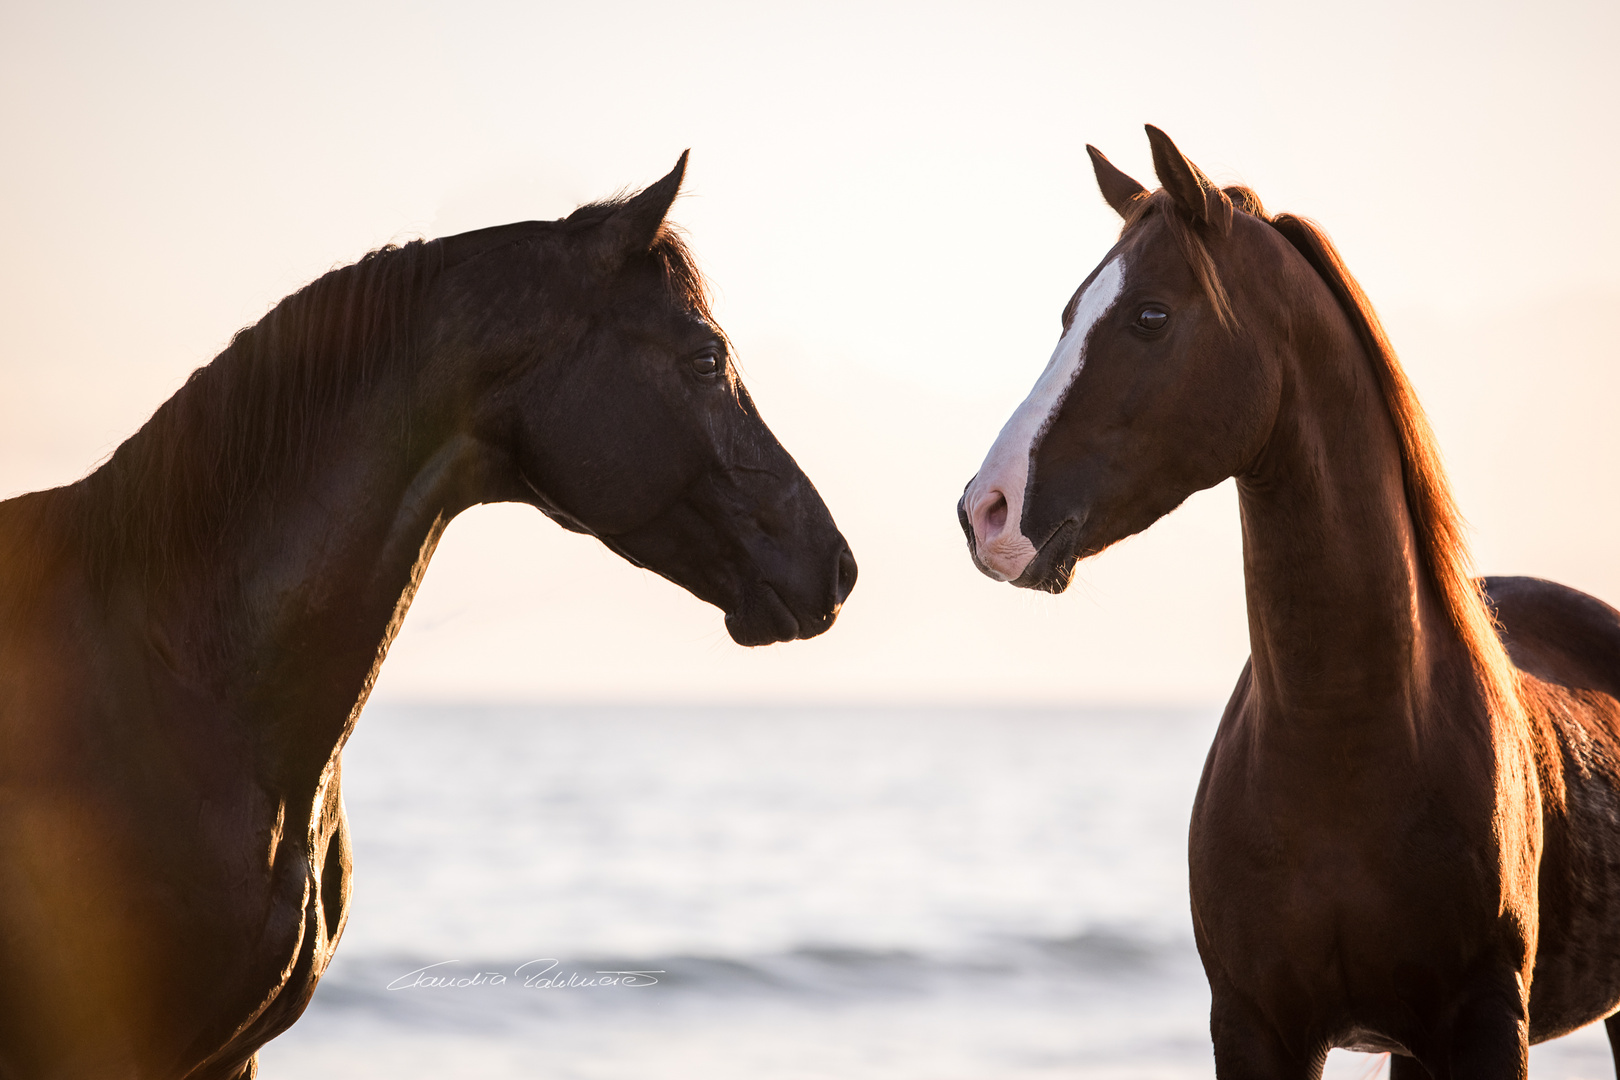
column 634, row 226
column 1118, row 189
column 1193, row 193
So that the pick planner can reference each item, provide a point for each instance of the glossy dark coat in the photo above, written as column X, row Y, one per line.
column 1407, row 834
column 188, row 634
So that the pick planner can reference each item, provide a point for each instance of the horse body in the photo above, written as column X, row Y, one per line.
column 187, row 635
column 1406, row 836
column 1307, row 846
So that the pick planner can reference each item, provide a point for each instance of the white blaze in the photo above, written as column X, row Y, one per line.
column 995, row 498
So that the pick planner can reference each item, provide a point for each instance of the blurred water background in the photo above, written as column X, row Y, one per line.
column 864, row 893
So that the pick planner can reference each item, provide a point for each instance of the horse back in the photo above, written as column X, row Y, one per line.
column 1558, row 634
column 1566, row 645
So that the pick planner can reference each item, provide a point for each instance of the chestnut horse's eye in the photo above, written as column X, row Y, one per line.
column 1152, row 319
column 706, row 364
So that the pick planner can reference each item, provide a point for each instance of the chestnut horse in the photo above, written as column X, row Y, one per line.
column 187, row 635
column 1407, row 834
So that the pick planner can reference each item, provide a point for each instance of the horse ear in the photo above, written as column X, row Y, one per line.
column 1191, row 189
column 1118, row 190
column 634, row 226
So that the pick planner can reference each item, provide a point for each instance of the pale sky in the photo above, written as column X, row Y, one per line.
column 893, row 203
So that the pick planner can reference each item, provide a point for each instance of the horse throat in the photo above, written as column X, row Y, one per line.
column 326, row 592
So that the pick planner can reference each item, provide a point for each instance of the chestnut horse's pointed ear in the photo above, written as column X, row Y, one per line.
column 1193, row 193
column 634, row 226
column 1118, row 189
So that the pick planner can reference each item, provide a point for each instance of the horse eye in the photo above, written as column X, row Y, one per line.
column 1153, row 319
column 706, row 364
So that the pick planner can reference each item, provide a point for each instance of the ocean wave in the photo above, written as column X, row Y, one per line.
column 492, row 991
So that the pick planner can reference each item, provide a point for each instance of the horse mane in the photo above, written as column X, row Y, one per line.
column 244, row 426
column 1438, row 525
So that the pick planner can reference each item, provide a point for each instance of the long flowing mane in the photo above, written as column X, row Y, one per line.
column 1438, row 526
column 245, row 425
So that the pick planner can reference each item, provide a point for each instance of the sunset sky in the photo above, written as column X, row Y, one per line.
column 893, row 203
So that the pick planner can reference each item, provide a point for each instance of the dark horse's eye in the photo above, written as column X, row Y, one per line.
column 1153, row 319
column 706, row 364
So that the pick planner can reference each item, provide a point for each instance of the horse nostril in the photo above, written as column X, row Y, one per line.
column 995, row 515
column 846, row 573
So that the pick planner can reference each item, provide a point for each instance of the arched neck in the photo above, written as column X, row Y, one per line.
column 285, row 625
column 1344, row 623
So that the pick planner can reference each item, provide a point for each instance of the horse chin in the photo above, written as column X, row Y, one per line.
column 763, row 619
column 767, row 595
column 1052, row 568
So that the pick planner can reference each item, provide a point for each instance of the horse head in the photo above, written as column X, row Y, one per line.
column 590, row 361
column 1157, row 387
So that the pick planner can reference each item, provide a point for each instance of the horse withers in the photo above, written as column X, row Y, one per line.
column 1407, row 834
column 188, row 633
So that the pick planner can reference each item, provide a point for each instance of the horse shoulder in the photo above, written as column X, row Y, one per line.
column 159, row 897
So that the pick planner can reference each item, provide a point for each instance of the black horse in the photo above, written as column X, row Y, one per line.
column 187, row 635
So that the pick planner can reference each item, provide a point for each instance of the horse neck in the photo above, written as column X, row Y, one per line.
column 1346, row 628
column 285, row 623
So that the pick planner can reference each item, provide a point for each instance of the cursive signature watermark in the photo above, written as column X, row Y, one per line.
column 542, row 974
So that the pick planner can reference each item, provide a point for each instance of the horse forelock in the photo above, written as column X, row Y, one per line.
column 688, row 288
column 677, row 266
column 1159, row 206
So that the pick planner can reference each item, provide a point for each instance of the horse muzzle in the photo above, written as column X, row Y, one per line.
column 1002, row 552
column 790, row 607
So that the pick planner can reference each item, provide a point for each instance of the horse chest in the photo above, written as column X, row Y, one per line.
column 1321, row 897
column 302, row 902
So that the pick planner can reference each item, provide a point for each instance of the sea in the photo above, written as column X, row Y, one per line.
column 867, row 893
